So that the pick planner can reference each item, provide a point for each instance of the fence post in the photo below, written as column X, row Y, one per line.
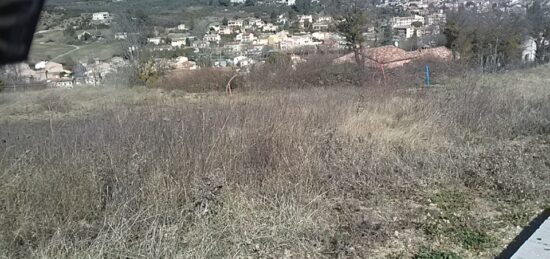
column 427, row 82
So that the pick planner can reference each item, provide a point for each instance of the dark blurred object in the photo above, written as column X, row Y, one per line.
column 18, row 19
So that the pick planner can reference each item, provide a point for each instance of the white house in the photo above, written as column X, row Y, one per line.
column 270, row 27
column 182, row 27
column 323, row 19
column 296, row 42
column 408, row 31
column 155, row 40
column 320, row 36
column 178, row 42
column 406, row 21
column 248, row 37
column 55, row 69
column 225, row 30
column 237, row 1
column 287, row 2
column 235, row 23
column 320, row 26
column 256, row 22
column 40, row 65
column 245, row 37
column 101, row 17
column 435, row 19
column 242, row 61
column 264, row 41
column 121, row 36
column 233, row 47
column 282, row 19
column 212, row 37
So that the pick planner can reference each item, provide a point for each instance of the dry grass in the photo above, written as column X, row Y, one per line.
column 311, row 172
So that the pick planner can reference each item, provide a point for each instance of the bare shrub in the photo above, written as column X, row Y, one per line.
column 202, row 80
column 495, row 109
column 413, row 74
column 54, row 103
column 308, row 172
column 314, row 71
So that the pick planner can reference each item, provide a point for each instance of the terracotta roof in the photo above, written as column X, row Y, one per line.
column 390, row 54
column 437, row 53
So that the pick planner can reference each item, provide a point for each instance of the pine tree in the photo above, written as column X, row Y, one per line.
column 351, row 28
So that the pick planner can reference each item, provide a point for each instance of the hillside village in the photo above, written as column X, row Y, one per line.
column 243, row 41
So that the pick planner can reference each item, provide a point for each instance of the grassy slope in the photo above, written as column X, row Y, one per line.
column 48, row 51
column 100, row 50
column 51, row 44
column 453, row 171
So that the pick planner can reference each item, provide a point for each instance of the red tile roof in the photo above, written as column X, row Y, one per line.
column 391, row 54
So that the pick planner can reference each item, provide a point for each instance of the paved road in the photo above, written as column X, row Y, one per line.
column 538, row 244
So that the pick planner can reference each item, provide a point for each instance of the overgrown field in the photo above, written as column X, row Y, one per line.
column 453, row 171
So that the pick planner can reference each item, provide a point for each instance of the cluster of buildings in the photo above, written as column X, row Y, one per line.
column 55, row 74
column 424, row 7
column 417, row 25
column 242, row 42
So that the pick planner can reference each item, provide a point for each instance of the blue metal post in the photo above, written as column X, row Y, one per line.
column 427, row 83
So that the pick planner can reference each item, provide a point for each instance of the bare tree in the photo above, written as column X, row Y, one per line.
column 10, row 75
column 137, row 54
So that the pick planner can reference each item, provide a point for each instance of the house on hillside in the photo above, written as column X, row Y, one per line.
column 212, row 37
column 235, row 24
column 101, row 18
column 270, row 27
column 54, row 70
column 245, row 37
column 121, row 36
column 225, row 30
column 155, row 40
column 297, row 41
column 407, row 31
column 406, row 21
column 178, row 42
column 181, row 27
column 435, row 19
column 242, row 61
column 320, row 26
column 182, row 63
column 287, row 2
column 263, row 40
column 233, row 47
column 85, row 36
column 305, row 18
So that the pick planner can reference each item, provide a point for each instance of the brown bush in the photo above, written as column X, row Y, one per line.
column 54, row 103
column 202, row 80
column 314, row 71
column 309, row 172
